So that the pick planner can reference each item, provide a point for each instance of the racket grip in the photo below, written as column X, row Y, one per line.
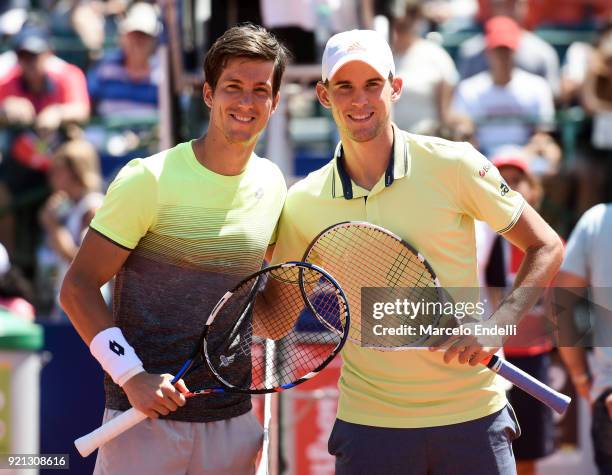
column 553, row 399
column 116, row 426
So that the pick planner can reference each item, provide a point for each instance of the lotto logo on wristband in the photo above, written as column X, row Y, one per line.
column 116, row 348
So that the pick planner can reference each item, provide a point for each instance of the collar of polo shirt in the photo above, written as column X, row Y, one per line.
column 399, row 166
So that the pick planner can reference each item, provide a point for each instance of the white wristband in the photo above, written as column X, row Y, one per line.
column 115, row 354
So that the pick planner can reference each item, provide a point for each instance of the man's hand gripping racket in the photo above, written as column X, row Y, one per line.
column 254, row 324
column 362, row 255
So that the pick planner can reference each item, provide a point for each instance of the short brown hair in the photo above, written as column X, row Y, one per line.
column 82, row 160
column 245, row 41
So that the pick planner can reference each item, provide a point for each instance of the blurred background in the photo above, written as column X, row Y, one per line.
column 87, row 85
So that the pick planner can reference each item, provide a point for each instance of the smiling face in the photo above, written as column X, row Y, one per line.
column 242, row 101
column 360, row 100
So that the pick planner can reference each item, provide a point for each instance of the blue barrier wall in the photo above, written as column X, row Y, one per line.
column 71, row 397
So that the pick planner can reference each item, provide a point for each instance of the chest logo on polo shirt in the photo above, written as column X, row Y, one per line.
column 259, row 193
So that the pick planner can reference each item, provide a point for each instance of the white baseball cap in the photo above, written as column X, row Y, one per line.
column 367, row 46
column 141, row 17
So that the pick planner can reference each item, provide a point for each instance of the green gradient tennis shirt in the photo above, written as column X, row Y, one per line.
column 430, row 195
column 193, row 234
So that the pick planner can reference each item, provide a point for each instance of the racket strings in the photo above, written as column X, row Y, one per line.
column 365, row 257
column 373, row 250
column 280, row 339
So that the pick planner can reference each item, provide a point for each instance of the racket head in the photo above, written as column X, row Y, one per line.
column 362, row 255
column 255, row 340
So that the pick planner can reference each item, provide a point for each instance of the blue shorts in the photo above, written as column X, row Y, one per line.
column 481, row 446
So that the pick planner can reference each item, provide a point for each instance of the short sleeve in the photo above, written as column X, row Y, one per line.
column 576, row 251
column 484, row 195
column 130, row 206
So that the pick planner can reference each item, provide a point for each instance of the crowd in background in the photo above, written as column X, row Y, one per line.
column 79, row 83
column 71, row 113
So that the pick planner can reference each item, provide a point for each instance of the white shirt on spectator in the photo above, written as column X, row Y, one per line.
column 577, row 61
column 589, row 255
column 422, row 67
column 533, row 55
column 505, row 115
column 299, row 13
column 303, row 13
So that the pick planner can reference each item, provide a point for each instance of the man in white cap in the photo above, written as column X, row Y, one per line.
column 414, row 412
column 126, row 80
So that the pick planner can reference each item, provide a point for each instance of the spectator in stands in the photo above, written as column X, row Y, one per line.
column 370, row 9
column 498, row 263
column 125, row 82
column 448, row 15
column 304, row 26
column 86, row 21
column 573, row 72
column 38, row 95
column 566, row 13
column 294, row 23
column 597, row 91
column 533, row 54
column 16, row 294
column 75, row 182
column 577, row 62
column 427, row 71
column 587, row 267
column 13, row 15
column 507, row 105
column 40, row 90
column 594, row 167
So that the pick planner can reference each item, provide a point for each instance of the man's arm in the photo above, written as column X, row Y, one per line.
column 574, row 356
column 56, row 115
column 98, row 261
column 269, row 253
column 543, row 250
column 15, row 111
column 543, row 256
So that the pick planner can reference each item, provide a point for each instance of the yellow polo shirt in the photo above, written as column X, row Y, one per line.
column 430, row 195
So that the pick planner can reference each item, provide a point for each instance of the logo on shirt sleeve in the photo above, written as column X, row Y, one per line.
column 485, row 168
column 503, row 188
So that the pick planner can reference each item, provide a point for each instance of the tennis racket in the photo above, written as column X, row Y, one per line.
column 362, row 255
column 255, row 326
